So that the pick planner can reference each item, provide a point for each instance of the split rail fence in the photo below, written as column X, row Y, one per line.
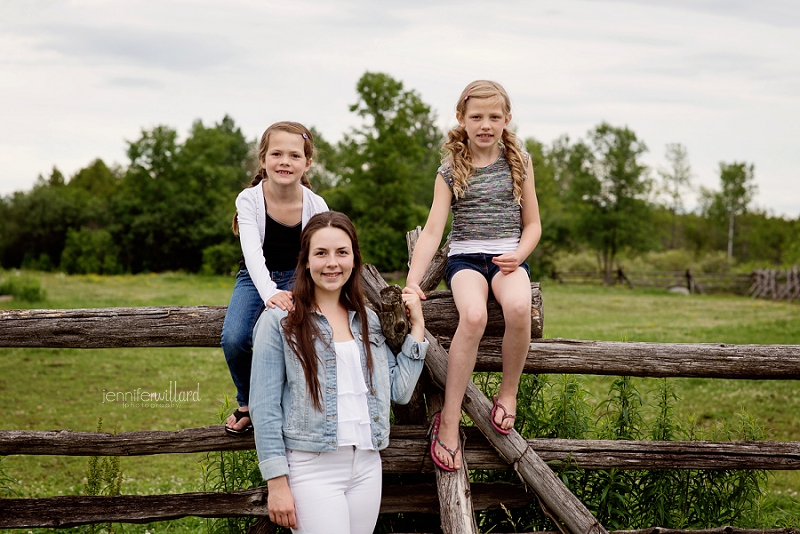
column 772, row 284
column 736, row 284
column 452, row 496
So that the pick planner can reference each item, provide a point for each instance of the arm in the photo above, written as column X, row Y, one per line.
column 531, row 227
column 406, row 367
column 267, row 381
column 252, row 244
column 428, row 242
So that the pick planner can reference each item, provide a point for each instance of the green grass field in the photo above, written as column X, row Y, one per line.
column 42, row 389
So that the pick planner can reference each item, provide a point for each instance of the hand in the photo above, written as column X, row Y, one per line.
column 416, row 289
column 280, row 502
column 507, row 262
column 414, row 312
column 283, row 300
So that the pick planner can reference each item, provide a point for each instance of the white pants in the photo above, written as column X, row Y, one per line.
column 335, row 492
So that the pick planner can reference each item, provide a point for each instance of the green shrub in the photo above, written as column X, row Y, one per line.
column 222, row 258
column 21, row 287
column 90, row 251
column 670, row 260
column 578, row 261
column 714, row 262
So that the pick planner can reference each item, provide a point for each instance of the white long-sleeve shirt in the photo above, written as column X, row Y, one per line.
column 252, row 217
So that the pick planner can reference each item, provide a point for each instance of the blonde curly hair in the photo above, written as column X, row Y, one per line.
column 456, row 149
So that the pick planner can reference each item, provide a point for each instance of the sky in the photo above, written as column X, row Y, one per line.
column 80, row 78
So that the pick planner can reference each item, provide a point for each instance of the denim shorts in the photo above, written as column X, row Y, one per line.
column 479, row 262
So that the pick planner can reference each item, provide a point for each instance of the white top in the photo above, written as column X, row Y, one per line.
column 485, row 246
column 252, row 216
column 351, row 404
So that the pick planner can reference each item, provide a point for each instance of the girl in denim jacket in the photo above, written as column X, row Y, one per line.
column 270, row 215
column 322, row 383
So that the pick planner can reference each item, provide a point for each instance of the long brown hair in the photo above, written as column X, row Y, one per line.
column 456, row 148
column 299, row 326
column 263, row 148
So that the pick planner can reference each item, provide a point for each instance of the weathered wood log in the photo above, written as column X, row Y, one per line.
column 408, row 449
column 718, row 530
column 441, row 315
column 70, row 511
column 169, row 326
column 456, row 509
column 436, row 269
column 700, row 360
column 263, row 526
column 188, row 326
column 550, row 489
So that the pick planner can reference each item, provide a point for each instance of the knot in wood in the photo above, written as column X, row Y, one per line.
column 392, row 314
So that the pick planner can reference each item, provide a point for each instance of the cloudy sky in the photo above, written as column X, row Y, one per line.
column 79, row 78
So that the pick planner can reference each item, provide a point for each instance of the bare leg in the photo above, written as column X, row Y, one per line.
column 470, row 292
column 513, row 293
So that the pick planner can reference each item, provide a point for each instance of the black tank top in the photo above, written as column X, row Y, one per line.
column 281, row 245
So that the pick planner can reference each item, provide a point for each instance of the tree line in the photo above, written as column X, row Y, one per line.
column 171, row 206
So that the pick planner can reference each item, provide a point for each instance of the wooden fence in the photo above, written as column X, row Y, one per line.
column 776, row 285
column 693, row 282
column 452, row 496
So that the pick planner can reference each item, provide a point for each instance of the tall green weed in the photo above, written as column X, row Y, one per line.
column 558, row 407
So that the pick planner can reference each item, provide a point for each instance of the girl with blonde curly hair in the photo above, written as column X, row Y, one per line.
column 486, row 179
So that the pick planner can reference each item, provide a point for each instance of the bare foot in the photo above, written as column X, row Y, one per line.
column 450, row 438
column 506, row 412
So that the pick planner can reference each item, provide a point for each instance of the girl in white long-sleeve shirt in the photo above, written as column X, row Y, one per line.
column 270, row 216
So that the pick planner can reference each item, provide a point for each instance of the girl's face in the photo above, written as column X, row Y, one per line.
column 330, row 259
column 484, row 120
column 286, row 160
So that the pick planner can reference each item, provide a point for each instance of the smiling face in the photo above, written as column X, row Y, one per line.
column 484, row 120
column 330, row 259
column 285, row 160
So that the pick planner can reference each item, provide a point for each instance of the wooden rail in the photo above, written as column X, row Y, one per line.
column 695, row 282
column 189, row 326
column 71, row 511
column 159, row 327
column 408, row 449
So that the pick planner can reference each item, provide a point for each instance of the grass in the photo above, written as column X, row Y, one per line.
column 619, row 314
column 43, row 389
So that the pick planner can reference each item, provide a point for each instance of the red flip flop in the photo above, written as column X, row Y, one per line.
column 435, row 439
column 505, row 416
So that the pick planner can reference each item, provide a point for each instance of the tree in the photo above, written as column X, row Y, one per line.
column 387, row 168
column 675, row 180
column 551, row 169
column 608, row 193
column 97, row 179
column 176, row 200
column 738, row 188
column 35, row 223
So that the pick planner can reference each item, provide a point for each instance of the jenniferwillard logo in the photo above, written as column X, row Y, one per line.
column 140, row 398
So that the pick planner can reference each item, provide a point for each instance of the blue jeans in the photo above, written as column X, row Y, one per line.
column 237, row 331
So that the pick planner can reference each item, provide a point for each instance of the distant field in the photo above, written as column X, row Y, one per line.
column 43, row 389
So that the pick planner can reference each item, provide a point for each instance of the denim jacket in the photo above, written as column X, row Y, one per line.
column 281, row 409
